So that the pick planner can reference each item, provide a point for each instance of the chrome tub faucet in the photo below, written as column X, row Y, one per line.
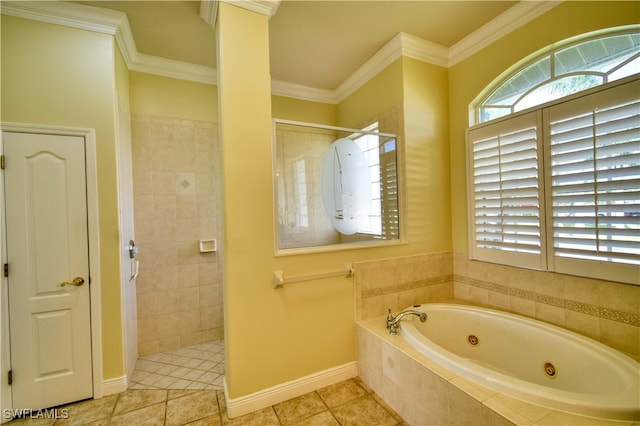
column 394, row 322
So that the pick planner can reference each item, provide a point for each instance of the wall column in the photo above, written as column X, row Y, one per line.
column 244, row 105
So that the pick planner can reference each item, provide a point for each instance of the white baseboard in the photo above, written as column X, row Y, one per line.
column 115, row 385
column 255, row 401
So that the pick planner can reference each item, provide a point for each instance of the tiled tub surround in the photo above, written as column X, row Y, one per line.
column 176, row 202
column 605, row 311
column 424, row 393
column 400, row 282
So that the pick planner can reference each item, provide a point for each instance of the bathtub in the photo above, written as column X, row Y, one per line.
column 527, row 359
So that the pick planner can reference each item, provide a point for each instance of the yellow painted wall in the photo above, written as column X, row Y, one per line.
column 469, row 77
column 273, row 336
column 421, row 90
column 306, row 111
column 168, row 97
column 61, row 76
column 426, row 128
column 380, row 94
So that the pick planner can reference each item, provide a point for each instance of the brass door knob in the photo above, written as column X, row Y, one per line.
column 77, row 281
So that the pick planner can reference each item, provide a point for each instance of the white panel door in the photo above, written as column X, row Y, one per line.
column 48, row 257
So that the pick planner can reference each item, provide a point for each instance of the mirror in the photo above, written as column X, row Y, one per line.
column 334, row 187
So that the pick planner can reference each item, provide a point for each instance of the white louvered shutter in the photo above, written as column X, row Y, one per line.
column 594, row 185
column 505, row 192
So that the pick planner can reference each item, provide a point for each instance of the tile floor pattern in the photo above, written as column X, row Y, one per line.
column 184, row 387
column 349, row 402
column 194, row 367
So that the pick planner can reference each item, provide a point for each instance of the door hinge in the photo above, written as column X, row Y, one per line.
column 5, row 270
column 10, row 377
column 2, row 162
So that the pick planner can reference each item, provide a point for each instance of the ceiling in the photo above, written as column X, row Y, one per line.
column 313, row 43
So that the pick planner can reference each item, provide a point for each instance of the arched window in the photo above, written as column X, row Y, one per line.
column 563, row 71
column 557, row 187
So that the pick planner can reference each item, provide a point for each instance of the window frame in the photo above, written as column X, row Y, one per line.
column 516, row 258
column 613, row 271
column 549, row 53
column 280, row 188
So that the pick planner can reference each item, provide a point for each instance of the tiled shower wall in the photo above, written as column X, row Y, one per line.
column 177, row 195
column 302, row 221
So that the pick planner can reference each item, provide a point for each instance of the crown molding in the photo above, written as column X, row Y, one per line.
column 409, row 45
column 115, row 23
column 374, row 65
column 174, row 69
column 105, row 21
column 266, row 7
column 305, row 93
column 402, row 44
column 510, row 20
column 423, row 50
column 124, row 40
column 209, row 11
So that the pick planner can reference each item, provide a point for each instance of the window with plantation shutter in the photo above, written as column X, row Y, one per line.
column 381, row 153
column 558, row 188
column 389, row 200
column 594, row 185
column 506, row 194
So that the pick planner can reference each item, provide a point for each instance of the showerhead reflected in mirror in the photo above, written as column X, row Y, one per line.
column 346, row 189
column 334, row 188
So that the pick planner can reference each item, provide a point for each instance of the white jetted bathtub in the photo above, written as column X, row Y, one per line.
column 528, row 359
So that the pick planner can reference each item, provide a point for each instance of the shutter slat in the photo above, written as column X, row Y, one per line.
column 506, row 194
column 595, row 187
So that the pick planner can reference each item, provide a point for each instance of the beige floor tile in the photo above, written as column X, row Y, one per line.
column 207, row 365
column 148, row 416
column 208, row 421
column 88, row 412
column 384, row 405
column 192, row 374
column 150, row 379
column 191, row 407
column 207, row 377
column 166, row 370
column 264, row 417
column 140, row 386
column 351, row 405
column 341, row 393
column 363, row 411
column 180, row 372
column 149, row 366
column 362, row 384
column 180, row 384
column 178, row 393
column 136, row 399
column 192, row 363
column 302, row 407
column 28, row 421
column 165, row 382
column 321, row 419
column 197, row 385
